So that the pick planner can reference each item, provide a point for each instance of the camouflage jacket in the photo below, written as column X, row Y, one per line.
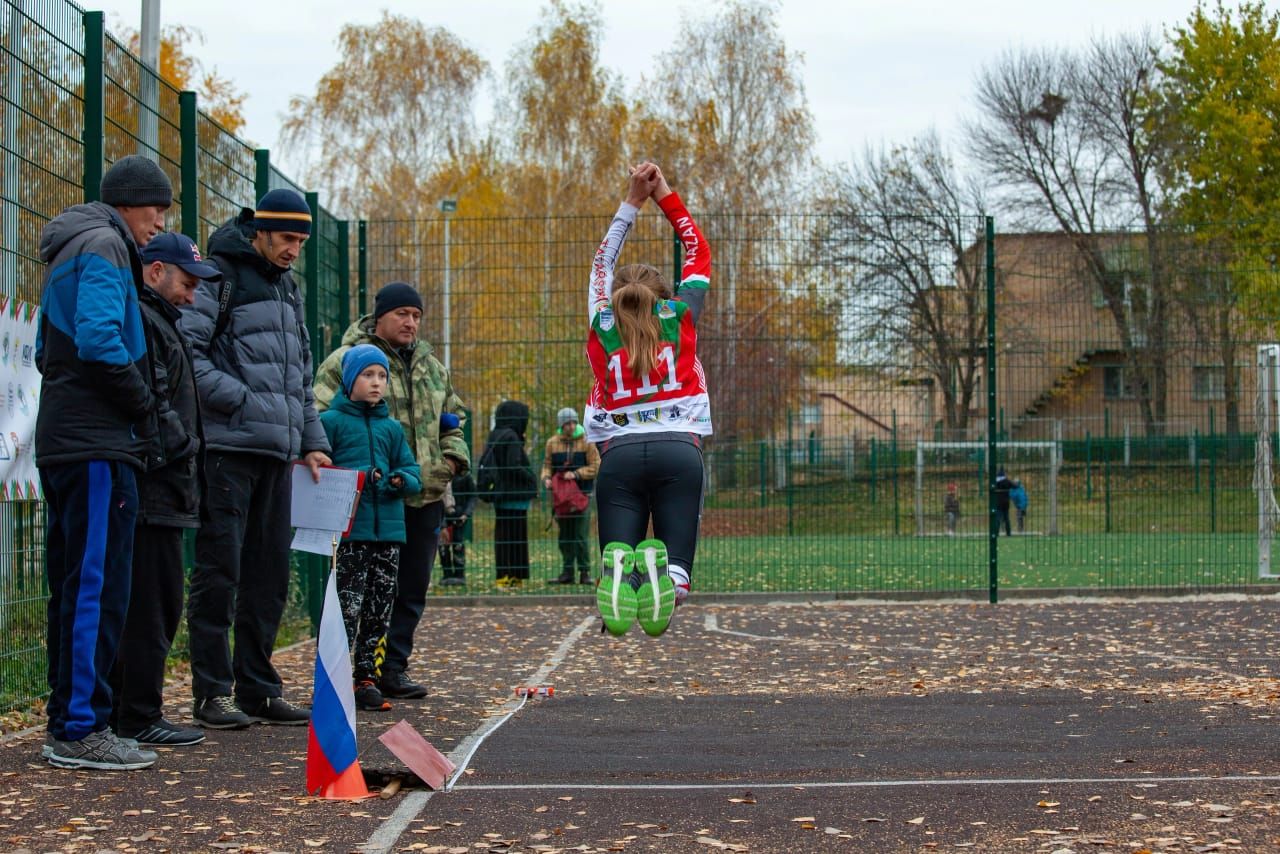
column 417, row 396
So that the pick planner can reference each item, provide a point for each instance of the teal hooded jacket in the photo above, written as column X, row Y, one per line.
column 366, row 438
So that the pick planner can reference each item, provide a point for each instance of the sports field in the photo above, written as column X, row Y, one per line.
column 862, row 564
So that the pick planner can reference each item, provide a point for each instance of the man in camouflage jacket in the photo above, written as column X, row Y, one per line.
column 418, row 394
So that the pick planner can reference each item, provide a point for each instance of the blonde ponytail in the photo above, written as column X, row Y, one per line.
column 637, row 289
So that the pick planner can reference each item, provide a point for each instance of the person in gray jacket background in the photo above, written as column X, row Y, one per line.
column 253, row 372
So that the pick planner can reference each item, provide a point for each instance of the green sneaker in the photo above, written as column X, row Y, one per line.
column 614, row 595
column 656, row 598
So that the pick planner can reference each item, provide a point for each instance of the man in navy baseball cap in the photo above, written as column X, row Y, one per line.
column 168, row 500
column 173, row 268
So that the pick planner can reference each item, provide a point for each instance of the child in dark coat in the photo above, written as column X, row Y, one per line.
column 365, row 437
column 459, row 505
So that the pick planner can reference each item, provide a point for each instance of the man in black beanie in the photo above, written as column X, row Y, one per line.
column 99, row 425
column 252, row 357
column 420, row 395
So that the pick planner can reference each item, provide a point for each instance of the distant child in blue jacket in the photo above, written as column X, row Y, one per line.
column 365, row 437
column 1018, row 495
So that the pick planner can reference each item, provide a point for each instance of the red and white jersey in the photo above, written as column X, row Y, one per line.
column 674, row 395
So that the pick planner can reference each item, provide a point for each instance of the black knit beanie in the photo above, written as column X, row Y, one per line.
column 135, row 181
column 395, row 295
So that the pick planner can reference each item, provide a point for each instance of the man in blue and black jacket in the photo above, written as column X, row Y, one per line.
column 100, row 423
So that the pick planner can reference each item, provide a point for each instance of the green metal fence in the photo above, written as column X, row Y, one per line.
column 849, row 386
column 75, row 100
column 858, row 370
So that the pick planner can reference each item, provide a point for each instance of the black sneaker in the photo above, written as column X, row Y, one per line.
column 453, row 581
column 369, row 698
column 584, row 577
column 164, row 734
column 278, row 711
column 400, row 687
column 565, row 577
column 219, row 713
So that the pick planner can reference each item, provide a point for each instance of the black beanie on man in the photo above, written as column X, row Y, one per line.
column 283, row 210
column 395, row 295
column 134, row 182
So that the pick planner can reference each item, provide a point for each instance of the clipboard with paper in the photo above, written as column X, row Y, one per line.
column 323, row 512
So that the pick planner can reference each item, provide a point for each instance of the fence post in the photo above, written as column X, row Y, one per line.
column 1088, row 466
column 790, row 498
column 1195, row 457
column 262, row 175
column 311, row 298
column 993, row 523
column 764, row 475
column 190, row 166
column 95, row 120
column 871, row 499
column 893, row 440
column 1213, row 477
column 1106, row 475
column 362, row 267
column 315, row 569
column 344, row 281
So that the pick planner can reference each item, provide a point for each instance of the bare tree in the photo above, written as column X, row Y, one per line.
column 1063, row 139
column 907, row 226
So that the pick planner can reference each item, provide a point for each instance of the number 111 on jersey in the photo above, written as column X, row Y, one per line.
column 665, row 367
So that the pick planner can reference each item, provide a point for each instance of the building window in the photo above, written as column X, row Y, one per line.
column 811, row 414
column 1117, row 383
column 1208, row 382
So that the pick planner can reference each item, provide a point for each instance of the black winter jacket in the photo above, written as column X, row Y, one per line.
column 515, row 482
column 170, row 495
column 254, row 376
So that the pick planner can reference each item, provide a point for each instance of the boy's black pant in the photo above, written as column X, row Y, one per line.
column 367, row 589
column 241, row 577
column 659, row 478
column 137, row 680
column 91, row 508
column 422, row 536
column 573, row 542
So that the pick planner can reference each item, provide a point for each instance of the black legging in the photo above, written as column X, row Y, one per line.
column 658, row 478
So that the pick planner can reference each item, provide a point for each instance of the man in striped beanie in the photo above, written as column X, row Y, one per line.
column 253, row 373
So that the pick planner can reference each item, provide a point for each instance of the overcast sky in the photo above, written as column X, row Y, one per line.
column 874, row 70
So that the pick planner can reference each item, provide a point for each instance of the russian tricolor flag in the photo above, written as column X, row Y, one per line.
column 331, row 741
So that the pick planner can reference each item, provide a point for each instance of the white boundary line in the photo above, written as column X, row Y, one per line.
column 865, row 784
column 389, row 833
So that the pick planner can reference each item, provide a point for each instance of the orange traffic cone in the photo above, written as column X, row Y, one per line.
column 348, row 787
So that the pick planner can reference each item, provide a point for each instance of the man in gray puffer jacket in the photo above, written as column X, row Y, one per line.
column 253, row 371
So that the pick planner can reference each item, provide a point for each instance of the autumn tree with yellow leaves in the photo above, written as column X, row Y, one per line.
column 725, row 116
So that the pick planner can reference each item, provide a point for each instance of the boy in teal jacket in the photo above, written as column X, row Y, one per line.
column 364, row 436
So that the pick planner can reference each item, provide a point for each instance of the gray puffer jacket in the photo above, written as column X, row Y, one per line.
column 254, row 376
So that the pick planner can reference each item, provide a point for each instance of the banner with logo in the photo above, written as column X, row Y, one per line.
column 20, row 390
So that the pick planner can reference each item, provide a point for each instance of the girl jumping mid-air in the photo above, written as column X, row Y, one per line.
column 648, row 412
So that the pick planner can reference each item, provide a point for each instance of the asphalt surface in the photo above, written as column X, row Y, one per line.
column 1051, row 726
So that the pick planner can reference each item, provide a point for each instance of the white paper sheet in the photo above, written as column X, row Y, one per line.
column 315, row 541
column 327, row 505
